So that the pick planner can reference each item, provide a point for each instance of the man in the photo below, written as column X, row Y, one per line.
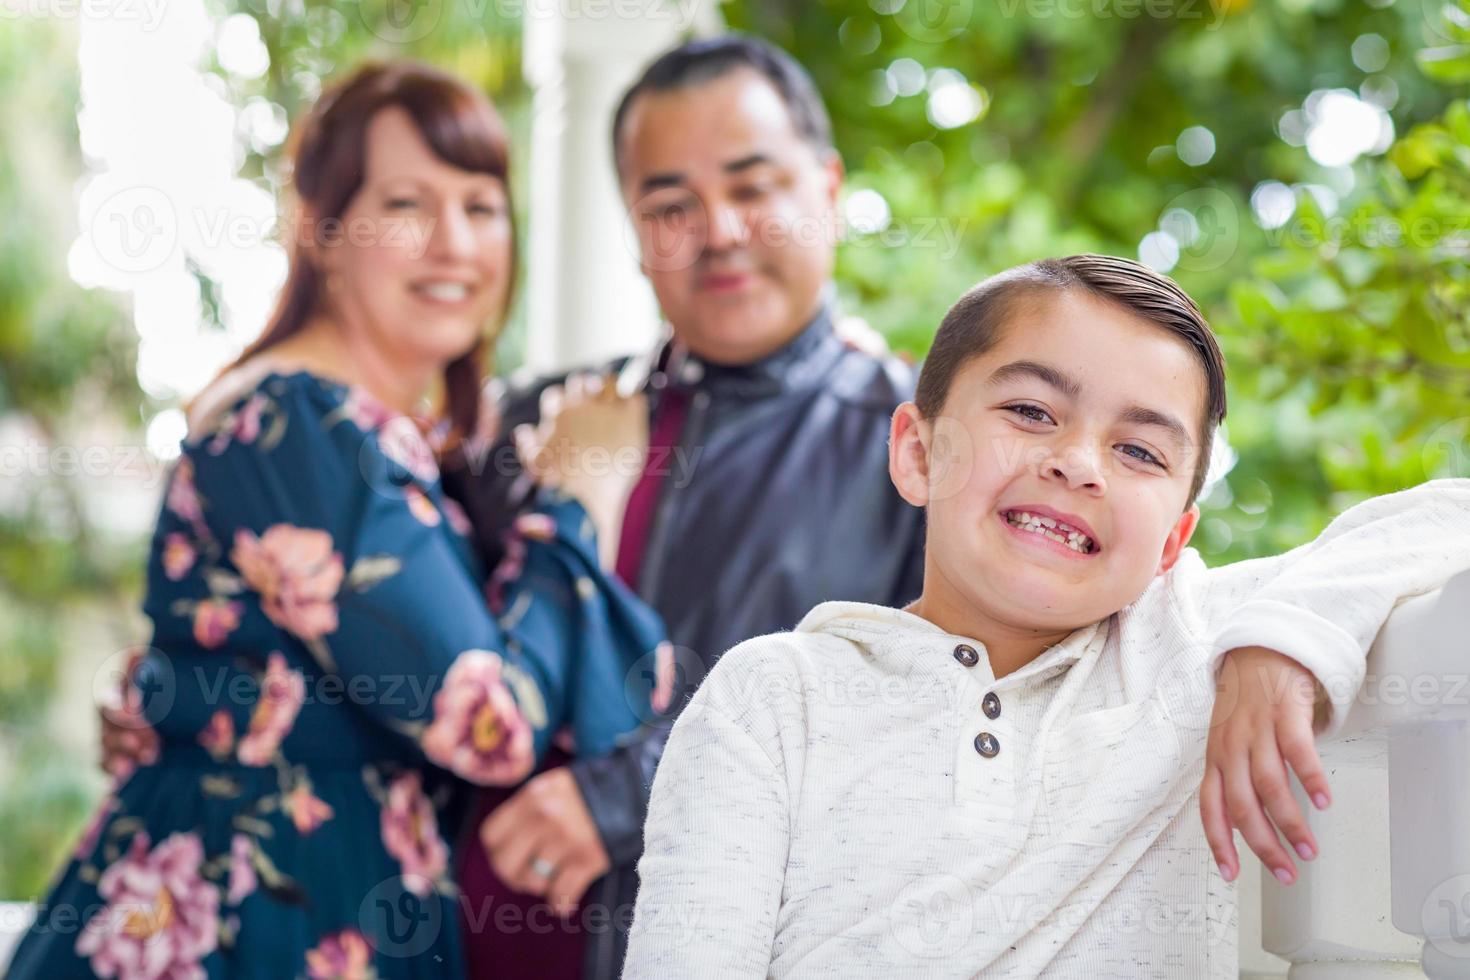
column 768, row 437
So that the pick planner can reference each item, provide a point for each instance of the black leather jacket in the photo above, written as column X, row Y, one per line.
column 777, row 499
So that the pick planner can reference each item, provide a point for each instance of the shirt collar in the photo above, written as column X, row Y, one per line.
column 802, row 362
column 905, row 641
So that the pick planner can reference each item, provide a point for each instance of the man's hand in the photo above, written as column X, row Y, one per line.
column 1263, row 720
column 542, row 841
column 128, row 741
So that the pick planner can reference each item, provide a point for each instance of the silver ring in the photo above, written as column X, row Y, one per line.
column 542, row 868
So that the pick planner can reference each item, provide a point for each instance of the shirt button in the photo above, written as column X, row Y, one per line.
column 991, row 705
column 966, row 655
column 986, row 745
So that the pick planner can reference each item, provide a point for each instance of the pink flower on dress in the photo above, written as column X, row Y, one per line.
column 478, row 732
column 403, row 442
column 215, row 620
column 297, row 575
column 218, row 736
column 421, row 506
column 178, row 556
column 282, row 692
column 411, row 834
column 399, row 436
column 365, row 411
column 242, row 425
column 242, row 874
column 307, row 812
column 183, row 498
column 343, row 955
column 161, row 917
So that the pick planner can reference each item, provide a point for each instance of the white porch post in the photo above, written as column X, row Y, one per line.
column 1390, row 896
column 586, row 299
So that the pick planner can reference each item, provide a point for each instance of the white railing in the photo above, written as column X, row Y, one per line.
column 1390, row 895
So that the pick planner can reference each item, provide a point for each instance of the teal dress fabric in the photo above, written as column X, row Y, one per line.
column 329, row 672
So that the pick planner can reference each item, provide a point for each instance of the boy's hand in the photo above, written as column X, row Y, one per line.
column 1263, row 720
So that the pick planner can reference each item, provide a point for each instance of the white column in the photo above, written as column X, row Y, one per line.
column 1391, row 892
column 586, row 299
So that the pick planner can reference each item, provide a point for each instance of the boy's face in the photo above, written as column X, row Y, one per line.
column 1083, row 415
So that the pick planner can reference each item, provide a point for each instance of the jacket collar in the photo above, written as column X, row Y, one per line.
column 802, row 363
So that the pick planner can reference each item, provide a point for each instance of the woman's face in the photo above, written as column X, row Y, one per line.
column 420, row 264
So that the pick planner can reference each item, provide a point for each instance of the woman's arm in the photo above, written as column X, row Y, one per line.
column 317, row 533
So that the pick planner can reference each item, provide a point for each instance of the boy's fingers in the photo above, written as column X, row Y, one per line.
column 1245, row 812
column 1273, row 789
column 1299, row 748
column 1217, row 824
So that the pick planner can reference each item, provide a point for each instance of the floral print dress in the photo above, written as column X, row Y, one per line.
column 329, row 669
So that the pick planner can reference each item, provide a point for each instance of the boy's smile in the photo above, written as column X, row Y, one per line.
column 1056, row 478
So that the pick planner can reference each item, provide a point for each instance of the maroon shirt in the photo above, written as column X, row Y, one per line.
column 510, row 935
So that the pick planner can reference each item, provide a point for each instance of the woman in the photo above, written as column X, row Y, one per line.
column 322, row 646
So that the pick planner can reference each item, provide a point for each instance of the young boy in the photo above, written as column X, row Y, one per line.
column 1000, row 779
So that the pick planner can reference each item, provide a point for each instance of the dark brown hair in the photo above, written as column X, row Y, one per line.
column 973, row 326
column 328, row 158
column 707, row 59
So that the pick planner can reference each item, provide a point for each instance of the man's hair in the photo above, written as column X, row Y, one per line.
column 705, row 60
column 973, row 326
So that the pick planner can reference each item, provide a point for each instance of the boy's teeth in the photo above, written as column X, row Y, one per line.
column 1053, row 529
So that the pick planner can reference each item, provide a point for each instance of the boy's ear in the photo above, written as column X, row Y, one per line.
column 908, row 454
column 1178, row 538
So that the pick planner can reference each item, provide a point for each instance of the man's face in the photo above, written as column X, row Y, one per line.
column 735, row 214
column 1084, row 417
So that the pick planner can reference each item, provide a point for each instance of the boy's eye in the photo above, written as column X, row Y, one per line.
column 486, row 209
column 400, row 203
column 1030, row 412
column 1140, row 454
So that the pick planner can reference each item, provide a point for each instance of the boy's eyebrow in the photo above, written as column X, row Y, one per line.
column 1072, row 388
column 1141, row 415
column 1044, row 373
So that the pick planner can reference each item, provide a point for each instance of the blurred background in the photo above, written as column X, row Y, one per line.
column 1302, row 167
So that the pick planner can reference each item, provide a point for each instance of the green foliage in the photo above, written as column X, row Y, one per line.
column 1349, row 371
column 60, row 348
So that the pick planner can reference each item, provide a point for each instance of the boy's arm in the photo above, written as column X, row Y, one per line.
column 715, row 844
column 1285, row 627
column 1322, row 604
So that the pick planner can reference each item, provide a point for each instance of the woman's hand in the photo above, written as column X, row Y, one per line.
column 1263, row 720
column 592, row 444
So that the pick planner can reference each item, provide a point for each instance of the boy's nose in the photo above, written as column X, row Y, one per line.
column 1079, row 468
